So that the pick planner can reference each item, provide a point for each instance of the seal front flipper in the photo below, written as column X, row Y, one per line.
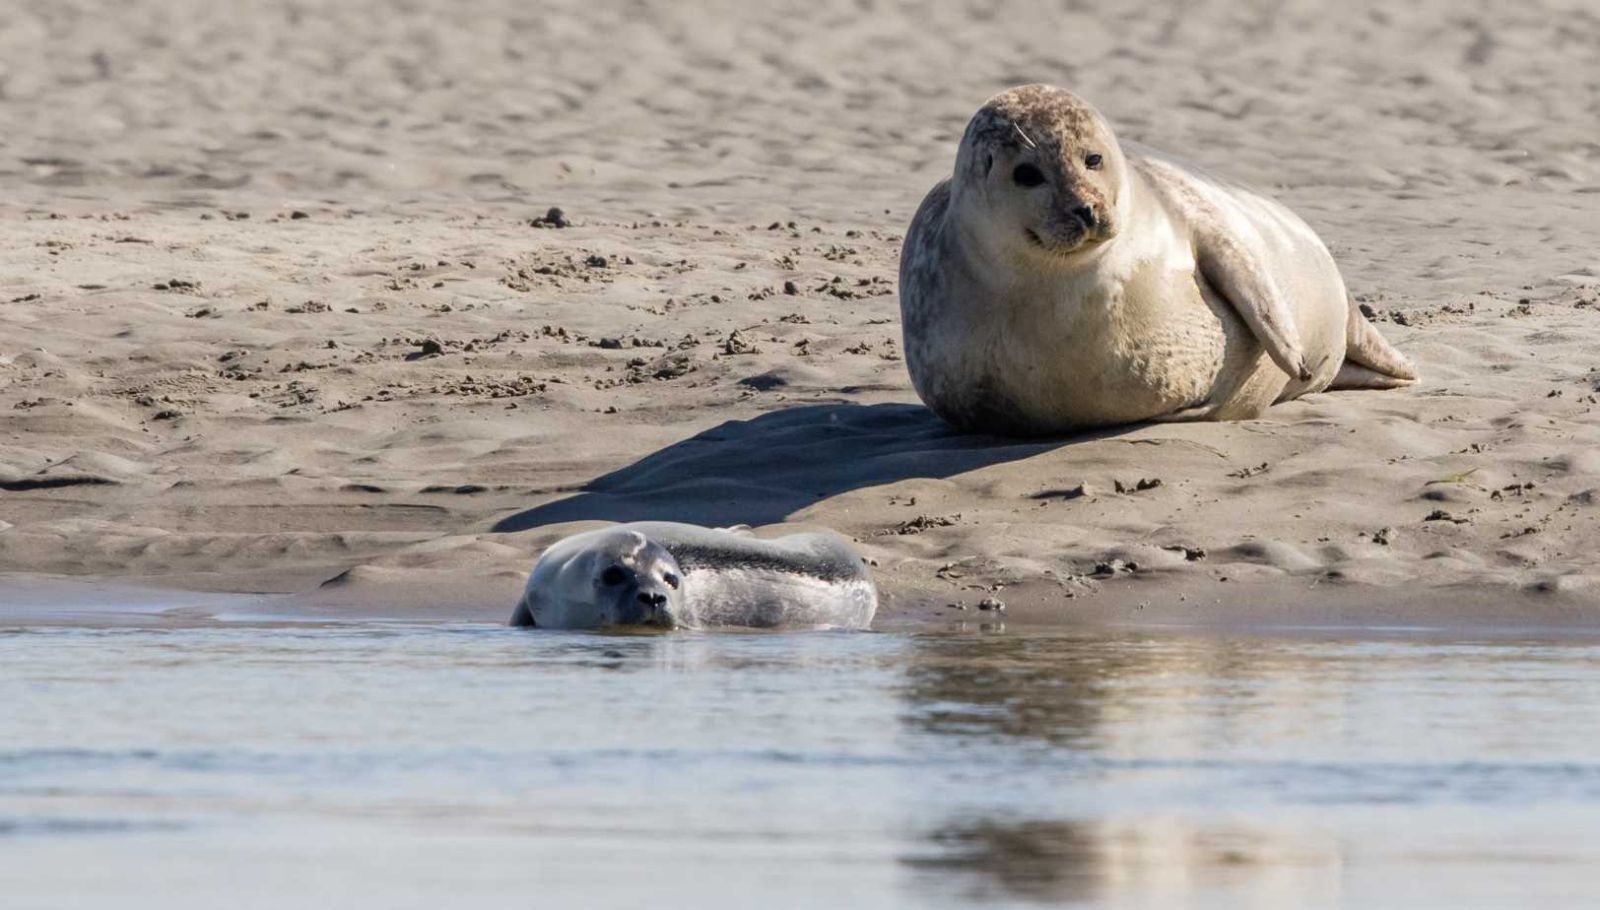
column 1245, row 283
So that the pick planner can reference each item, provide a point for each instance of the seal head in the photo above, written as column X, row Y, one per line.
column 1040, row 176
column 615, row 579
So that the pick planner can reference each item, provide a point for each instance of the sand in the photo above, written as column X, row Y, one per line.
column 283, row 312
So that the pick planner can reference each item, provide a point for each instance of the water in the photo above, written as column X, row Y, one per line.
column 440, row 765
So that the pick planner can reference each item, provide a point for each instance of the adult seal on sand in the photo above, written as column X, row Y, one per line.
column 672, row 575
column 1060, row 280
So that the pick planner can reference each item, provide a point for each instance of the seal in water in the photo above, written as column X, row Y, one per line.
column 671, row 575
column 1061, row 280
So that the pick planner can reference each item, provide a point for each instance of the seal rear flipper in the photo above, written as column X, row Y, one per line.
column 1353, row 375
column 1366, row 347
column 1207, row 411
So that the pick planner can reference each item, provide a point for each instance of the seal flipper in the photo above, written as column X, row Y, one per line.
column 1207, row 411
column 523, row 615
column 1244, row 282
column 1366, row 347
column 1353, row 375
column 1232, row 269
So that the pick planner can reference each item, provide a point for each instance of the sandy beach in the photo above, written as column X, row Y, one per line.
column 286, row 308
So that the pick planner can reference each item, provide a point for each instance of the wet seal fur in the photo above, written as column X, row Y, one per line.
column 1061, row 280
column 670, row 575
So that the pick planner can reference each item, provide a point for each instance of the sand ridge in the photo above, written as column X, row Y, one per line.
column 281, row 305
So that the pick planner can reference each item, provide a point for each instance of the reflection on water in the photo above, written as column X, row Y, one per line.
column 1273, row 772
column 1066, row 861
column 390, row 764
column 1048, row 861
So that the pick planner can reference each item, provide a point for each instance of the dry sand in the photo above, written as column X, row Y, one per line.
column 275, row 311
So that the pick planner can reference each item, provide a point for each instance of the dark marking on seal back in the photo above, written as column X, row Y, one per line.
column 829, row 565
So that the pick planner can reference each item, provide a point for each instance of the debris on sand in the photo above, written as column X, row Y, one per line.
column 738, row 343
column 554, row 218
column 665, row 367
column 1112, row 567
column 919, row 524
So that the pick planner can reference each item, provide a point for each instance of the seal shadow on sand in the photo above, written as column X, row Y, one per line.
column 763, row 470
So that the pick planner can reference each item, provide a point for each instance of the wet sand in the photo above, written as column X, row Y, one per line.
column 286, row 312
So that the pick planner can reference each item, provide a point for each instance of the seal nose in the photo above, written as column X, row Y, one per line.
column 1085, row 214
column 654, row 599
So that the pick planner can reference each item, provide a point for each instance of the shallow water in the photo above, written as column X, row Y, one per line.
column 432, row 765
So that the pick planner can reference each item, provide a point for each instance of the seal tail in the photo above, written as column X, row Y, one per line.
column 1370, row 361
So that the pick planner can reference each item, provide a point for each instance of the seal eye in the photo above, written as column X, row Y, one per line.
column 671, row 580
column 1093, row 161
column 1027, row 175
column 612, row 576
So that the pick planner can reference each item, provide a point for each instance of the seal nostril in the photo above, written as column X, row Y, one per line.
column 652, row 598
column 1085, row 214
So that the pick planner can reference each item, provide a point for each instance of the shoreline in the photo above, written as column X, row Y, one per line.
column 1270, row 607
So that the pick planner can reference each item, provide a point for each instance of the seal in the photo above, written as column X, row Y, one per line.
column 1061, row 280
column 670, row 575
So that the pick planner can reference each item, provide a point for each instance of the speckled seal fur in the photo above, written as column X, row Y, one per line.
column 1061, row 280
